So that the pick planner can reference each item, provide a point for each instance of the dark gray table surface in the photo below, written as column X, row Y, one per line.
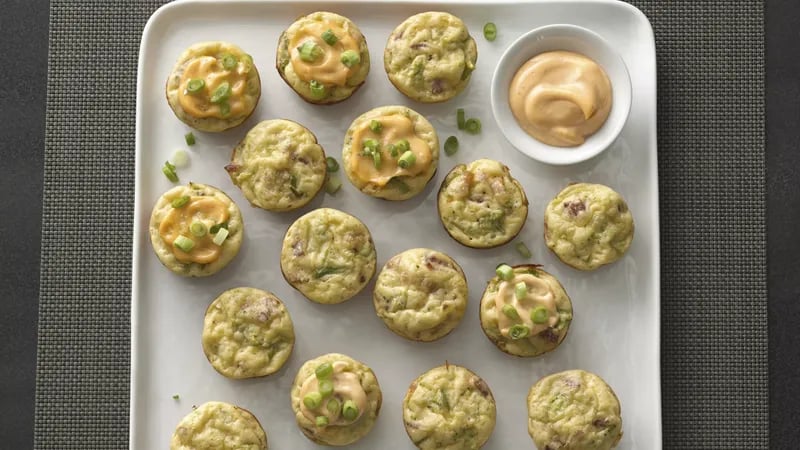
column 23, row 77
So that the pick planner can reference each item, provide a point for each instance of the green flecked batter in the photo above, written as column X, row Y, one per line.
column 328, row 256
column 279, row 166
column 430, row 57
column 588, row 225
column 573, row 410
column 247, row 333
column 481, row 205
column 449, row 408
column 217, row 425
column 421, row 294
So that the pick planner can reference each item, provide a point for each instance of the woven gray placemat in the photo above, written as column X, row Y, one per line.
column 711, row 170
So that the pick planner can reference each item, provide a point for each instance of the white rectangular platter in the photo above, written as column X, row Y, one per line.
column 615, row 332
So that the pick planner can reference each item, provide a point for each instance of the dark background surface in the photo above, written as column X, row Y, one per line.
column 23, row 78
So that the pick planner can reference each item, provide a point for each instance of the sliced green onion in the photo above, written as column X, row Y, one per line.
column 350, row 58
column 224, row 109
column 180, row 202
column 293, row 185
column 376, row 159
column 333, row 406
column 180, row 158
column 392, row 150
column 324, row 370
column 195, row 85
column 221, row 235
column 370, row 146
column 473, row 126
column 460, row 118
column 326, row 388
column 523, row 250
column 189, row 137
column 331, row 164
column 221, row 93
column 183, row 243
column 505, row 272
column 350, row 410
column 375, row 126
column 333, row 185
column 198, row 229
column 312, row 400
column 539, row 314
column 215, row 228
column 407, row 160
column 403, row 146
column 309, row 51
column 329, row 37
column 520, row 290
column 518, row 331
column 510, row 312
column 169, row 171
column 176, row 397
column 451, row 146
column 490, row 31
column 321, row 421
column 317, row 89
column 229, row 61
column 326, row 270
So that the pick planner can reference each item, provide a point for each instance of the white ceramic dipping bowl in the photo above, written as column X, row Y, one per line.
column 569, row 38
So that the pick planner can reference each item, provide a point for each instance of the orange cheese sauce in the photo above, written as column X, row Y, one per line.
column 346, row 386
column 538, row 294
column 210, row 70
column 327, row 69
column 208, row 210
column 560, row 98
column 395, row 128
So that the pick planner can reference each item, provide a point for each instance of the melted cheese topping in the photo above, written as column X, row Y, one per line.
column 539, row 294
column 327, row 69
column 207, row 210
column 394, row 128
column 210, row 70
column 346, row 386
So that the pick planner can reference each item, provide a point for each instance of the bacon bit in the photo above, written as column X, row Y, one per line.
column 436, row 86
column 549, row 335
column 600, row 423
column 232, row 168
column 419, row 45
column 297, row 249
column 575, row 207
column 481, row 386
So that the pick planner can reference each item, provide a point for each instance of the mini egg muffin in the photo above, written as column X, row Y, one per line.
column 247, row 333
column 196, row 230
column 574, row 409
column 525, row 311
column 214, row 86
column 323, row 57
column 421, row 294
column 212, row 423
column 588, row 225
column 279, row 166
column 430, row 57
column 390, row 152
column 336, row 399
column 481, row 205
column 449, row 407
column 328, row 256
